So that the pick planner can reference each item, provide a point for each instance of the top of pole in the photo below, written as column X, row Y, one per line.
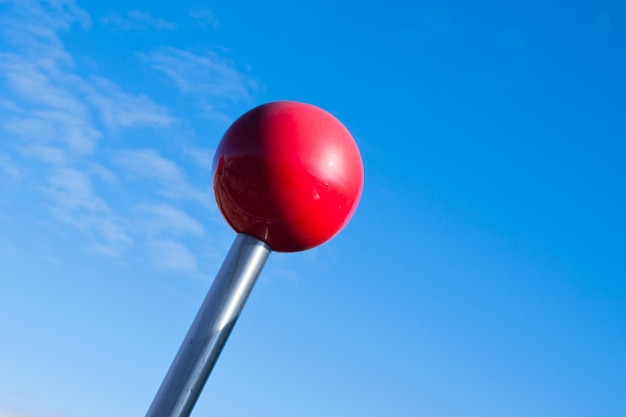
column 289, row 174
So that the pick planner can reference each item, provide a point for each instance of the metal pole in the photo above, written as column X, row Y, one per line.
column 210, row 329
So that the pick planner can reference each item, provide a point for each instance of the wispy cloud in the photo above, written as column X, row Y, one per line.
column 49, row 101
column 52, row 125
column 73, row 201
column 137, row 20
column 201, row 157
column 120, row 110
column 168, row 230
column 100, row 172
column 211, row 78
column 45, row 153
column 64, row 127
column 9, row 171
column 170, row 180
column 173, row 256
column 148, row 163
column 168, row 220
column 44, row 107
column 26, row 24
column 54, row 115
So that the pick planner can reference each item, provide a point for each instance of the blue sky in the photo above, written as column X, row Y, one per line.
column 482, row 275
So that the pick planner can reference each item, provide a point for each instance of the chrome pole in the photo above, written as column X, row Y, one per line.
column 210, row 329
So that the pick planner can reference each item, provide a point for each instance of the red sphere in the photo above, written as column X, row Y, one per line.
column 289, row 174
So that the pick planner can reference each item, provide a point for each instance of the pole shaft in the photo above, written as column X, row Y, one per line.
column 210, row 329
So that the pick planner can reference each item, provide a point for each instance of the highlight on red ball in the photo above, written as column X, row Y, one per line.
column 289, row 174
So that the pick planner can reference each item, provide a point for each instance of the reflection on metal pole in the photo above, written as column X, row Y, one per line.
column 208, row 333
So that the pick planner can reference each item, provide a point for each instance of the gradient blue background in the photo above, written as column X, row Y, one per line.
column 482, row 275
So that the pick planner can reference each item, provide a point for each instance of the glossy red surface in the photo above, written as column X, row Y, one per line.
column 288, row 173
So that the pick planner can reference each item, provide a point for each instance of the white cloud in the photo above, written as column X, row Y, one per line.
column 9, row 171
column 52, row 104
column 168, row 220
column 61, row 125
column 48, row 120
column 47, row 154
column 148, row 163
column 50, row 114
column 47, row 109
column 101, row 173
column 172, row 183
column 173, row 256
column 207, row 75
column 27, row 78
column 74, row 201
column 201, row 157
column 29, row 23
column 137, row 20
column 119, row 109
column 49, row 101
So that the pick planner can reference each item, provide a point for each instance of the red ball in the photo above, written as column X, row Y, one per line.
column 289, row 174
